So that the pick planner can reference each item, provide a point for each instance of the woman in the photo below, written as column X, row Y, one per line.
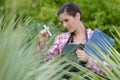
column 74, row 40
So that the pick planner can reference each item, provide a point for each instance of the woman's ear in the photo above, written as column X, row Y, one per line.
column 78, row 15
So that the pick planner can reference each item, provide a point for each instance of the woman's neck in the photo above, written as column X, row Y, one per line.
column 79, row 35
column 80, row 30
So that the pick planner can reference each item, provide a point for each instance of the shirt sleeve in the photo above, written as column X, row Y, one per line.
column 57, row 46
column 54, row 49
column 93, row 65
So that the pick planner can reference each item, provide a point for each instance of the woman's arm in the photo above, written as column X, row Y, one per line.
column 91, row 63
column 94, row 65
column 43, row 38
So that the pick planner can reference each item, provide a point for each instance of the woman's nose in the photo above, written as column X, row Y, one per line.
column 65, row 25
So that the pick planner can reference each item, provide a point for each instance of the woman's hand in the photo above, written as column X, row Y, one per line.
column 43, row 37
column 81, row 55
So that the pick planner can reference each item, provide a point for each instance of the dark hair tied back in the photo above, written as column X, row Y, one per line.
column 70, row 8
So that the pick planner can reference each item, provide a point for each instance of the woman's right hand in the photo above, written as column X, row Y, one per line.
column 43, row 36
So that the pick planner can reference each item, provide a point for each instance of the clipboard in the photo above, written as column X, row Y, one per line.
column 98, row 41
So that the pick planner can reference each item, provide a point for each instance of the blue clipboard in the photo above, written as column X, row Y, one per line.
column 98, row 41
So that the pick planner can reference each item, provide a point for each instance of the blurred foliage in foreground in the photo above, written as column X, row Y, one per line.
column 19, row 61
column 20, row 22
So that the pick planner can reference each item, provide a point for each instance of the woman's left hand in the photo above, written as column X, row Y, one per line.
column 81, row 55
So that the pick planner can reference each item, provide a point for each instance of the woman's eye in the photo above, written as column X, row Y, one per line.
column 66, row 20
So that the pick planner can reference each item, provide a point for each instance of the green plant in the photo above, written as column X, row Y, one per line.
column 19, row 61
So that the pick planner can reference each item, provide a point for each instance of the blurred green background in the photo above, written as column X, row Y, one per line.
column 20, row 23
column 101, row 14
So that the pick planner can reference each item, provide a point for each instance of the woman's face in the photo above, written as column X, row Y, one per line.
column 69, row 22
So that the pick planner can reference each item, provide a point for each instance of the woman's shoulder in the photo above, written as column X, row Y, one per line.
column 62, row 38
column 89, row 32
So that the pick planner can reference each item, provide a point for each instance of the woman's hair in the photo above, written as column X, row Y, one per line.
column 70, row 8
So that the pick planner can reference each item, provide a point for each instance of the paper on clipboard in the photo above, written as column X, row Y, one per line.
column 98, row 40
